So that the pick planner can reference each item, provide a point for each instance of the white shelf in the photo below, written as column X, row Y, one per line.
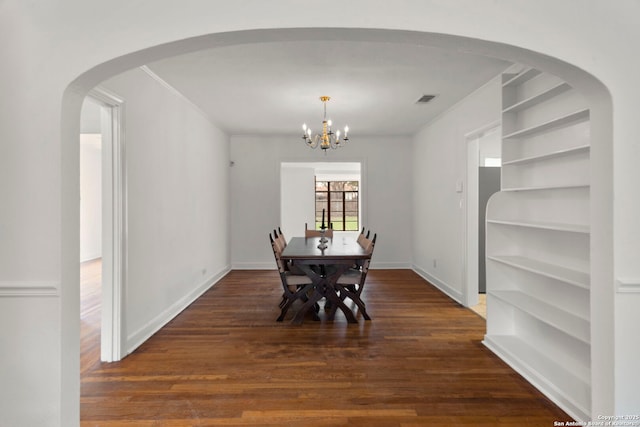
column 522, row 77
column 567, row 385
column 559, row 153
column 538, row 312
column 558, row 122
column 577, row 278
column 556, row 226
column 537, row 99
column 555, row 317
column 546, row 187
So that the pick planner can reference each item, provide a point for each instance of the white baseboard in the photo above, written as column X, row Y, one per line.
column 271, row 265
column 538, row 380
column 92, row 257
column 136, row 339
column 390, row 265
column 448, row 290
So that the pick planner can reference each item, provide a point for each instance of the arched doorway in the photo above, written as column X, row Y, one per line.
column 99, row 73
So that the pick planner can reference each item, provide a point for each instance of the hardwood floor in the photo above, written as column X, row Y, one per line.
column 226, row 361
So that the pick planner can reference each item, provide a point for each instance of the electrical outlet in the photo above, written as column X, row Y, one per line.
column 435, row 263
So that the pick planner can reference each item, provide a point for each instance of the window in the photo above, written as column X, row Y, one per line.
column 340, row 200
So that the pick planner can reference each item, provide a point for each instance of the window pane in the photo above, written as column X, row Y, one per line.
column 322, row 186
column 336, row 185
column 351, row 206
column 338, row 225
column 351, row 226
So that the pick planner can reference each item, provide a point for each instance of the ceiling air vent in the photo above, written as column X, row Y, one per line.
column 424, row 99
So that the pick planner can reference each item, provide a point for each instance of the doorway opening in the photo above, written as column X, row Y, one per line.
column 300, row 200
column 484, row 152
column 102, row 226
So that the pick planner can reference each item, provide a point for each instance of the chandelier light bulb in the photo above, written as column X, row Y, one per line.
column 329, row 123
column 304, row 127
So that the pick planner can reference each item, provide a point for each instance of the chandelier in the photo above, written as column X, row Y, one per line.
column 327, row 139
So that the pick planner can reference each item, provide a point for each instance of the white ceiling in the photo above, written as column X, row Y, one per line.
column 275, row 87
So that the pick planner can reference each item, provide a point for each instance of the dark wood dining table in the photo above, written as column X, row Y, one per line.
column 324, row 267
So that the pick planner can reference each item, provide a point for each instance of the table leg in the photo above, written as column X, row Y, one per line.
column 324, row 286
column 337, row 270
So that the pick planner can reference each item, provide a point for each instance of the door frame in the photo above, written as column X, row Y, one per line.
column 114, row 225
column 471, row 217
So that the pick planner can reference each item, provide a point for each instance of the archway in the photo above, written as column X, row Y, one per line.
column 601, row 153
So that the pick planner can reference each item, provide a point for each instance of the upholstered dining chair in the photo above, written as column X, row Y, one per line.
column 294, row 286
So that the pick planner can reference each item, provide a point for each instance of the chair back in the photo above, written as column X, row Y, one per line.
column 279, row 240
column 367, row 243
column 317, row 233
column 362, row 238
column 276, row 253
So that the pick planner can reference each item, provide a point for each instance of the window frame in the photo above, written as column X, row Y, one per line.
column 342, row 199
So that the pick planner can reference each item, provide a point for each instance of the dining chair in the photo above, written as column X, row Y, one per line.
column 364, row 241
column 317, row 233
column 351, row 283
column 281, row 243
column 294, row 286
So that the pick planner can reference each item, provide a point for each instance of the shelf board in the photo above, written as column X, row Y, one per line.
column 555, row 317
column 546, row 187
column 541, row 157
column 566, row 384
column 577, row 278
column 556, row 123
column 556, row 226
column 537, row 99
column 522, row 77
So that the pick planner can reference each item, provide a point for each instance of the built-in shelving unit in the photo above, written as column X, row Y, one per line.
column 538, row 237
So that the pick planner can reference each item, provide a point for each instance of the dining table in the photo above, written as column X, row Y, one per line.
column 324, row 264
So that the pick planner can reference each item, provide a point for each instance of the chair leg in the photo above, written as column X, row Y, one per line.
column 349, row 292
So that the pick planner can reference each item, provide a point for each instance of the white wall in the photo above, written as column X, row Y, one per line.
column 297, row 199
column 90, row 196
column 439, row 164
column 255, row 186
column 177, row 203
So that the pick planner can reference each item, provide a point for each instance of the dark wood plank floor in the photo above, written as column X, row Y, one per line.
column 225, row 361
